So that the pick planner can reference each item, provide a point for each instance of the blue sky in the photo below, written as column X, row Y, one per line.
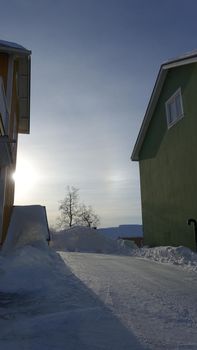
column 94, row 64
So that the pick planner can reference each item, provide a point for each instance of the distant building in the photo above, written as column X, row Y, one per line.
column 166, row 149
column 14, row 119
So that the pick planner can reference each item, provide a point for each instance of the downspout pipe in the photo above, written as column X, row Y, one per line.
column 48, row 239
column 194, row 222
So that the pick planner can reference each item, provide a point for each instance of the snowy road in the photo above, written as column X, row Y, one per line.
column 44, row 306
column 86, row 301
column 157, row 303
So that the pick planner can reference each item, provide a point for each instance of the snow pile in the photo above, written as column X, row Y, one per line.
column 30, row 269
column 26, row 261
column 28, row 225
column 181, row 256
column 85, row 239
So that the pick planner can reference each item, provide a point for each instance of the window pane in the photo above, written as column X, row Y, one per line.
column 173, row 112
column 174, row 108
column 169, row 114
column 178, row 105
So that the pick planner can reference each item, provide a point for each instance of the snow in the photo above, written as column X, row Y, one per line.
column 43, row 305
column 181, row 256
column 156, row 302
column 89, row 301
column 85, row 239
column 28, row 225
column 11, row 45
column 28, row 269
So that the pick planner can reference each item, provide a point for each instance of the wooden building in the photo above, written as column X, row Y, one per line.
column 166, row 149
column 15, row 72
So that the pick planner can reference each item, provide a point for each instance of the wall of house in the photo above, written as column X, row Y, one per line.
column 4, row 68
column 168, row 166
column 7, row 172
column 13, row 136
column 3, row 73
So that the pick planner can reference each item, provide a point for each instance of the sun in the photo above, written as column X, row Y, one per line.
column 25, row 176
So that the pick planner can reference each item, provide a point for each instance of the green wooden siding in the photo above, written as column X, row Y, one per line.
column 168, row 166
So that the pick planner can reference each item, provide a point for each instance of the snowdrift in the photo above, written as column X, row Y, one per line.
column 28, row 225
column 180, row 256
column 31, row 269
column 85, row 239
column 26, row 260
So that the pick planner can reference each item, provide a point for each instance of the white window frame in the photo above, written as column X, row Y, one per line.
column 171, row 101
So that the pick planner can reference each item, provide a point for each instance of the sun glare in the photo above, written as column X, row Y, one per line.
column 116, row 177
column 25, row 176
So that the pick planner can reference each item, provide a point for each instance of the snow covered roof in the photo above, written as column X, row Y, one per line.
column 122, row 231
column 8, row 46
column 188, row 58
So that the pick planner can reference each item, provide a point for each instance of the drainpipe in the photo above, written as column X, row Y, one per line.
column 48, row 239
column 194, row 222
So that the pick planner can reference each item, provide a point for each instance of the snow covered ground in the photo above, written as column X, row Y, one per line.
column 43, row 305
column 115, row 298
column 84, row 239
column 157, row 303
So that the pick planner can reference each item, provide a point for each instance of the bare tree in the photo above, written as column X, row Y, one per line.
column 73, row 213
column 87, row 216
column 69, row 208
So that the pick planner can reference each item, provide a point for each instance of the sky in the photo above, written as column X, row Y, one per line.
column 94, row 64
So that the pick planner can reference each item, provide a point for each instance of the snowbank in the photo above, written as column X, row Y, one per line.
column 27, row 263
column 28, row 225
column 85, row 239
column 181, row 256
column 30, row 269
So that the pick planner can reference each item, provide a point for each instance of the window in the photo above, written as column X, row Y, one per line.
column 174, row 108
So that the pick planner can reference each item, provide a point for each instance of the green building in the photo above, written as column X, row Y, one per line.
column 166, row 149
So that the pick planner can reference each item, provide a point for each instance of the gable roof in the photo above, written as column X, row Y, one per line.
column 24, row 76
column 188, row 58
